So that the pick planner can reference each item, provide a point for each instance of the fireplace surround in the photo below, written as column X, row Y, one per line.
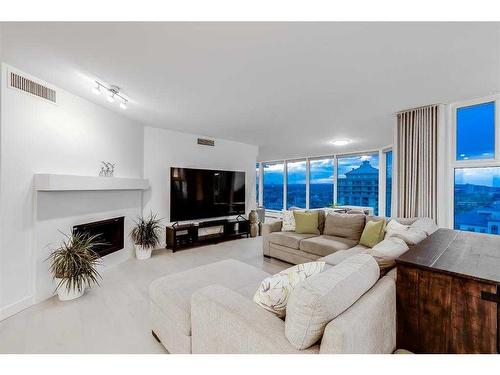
column 110, row 231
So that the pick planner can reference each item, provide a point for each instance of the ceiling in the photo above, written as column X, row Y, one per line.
column 288, row 87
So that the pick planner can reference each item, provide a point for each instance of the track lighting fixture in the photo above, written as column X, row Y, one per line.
column 97, row 89
column 111, row 93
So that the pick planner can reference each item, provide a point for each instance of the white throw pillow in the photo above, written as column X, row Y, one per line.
column 386, row 251
column 274, row 291
column 288, row 222
column 411, row 236
column 394, row 226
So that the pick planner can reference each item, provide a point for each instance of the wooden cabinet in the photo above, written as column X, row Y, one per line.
column 448, row 291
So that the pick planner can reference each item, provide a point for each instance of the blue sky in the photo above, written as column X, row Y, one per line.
column 476, row 132
column 321, row 170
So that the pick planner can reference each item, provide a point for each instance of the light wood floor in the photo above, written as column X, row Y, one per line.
column 114, row 318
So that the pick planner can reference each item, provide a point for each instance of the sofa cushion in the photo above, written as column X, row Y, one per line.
column 344, row 225
column 341, row 255
column 322, row 297
column 288, row 239
column 288, row 221
column 425, row 224
column 386, row 252
column 172, row 293
column 306, row 222
column 411, row 236
column 274, row 290
column 373, row 233
column 324, row 245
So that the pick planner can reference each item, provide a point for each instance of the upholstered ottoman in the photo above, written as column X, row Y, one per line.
column 171, row 298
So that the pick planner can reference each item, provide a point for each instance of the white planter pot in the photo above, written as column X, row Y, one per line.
column 142, row 252
column 66, row 295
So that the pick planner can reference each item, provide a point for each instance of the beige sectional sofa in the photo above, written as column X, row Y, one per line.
column 209, row 309
column 347, row 308
column 339, row 236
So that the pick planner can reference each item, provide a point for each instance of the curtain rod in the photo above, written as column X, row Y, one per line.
column 413, row 109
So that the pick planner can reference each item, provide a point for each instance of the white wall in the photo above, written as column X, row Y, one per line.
column 164, row 149
column 71, row 137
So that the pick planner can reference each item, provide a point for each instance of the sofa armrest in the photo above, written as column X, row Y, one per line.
column 267, row 229
column 225, row 322
column 368, row 326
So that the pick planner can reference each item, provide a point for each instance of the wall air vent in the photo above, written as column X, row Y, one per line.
column 31, row 87
column 206, row 142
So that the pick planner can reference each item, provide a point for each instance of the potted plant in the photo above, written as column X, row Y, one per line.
column 74, row 265
column 146, row 235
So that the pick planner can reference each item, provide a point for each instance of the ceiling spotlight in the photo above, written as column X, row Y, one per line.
column 111, row 93
column 340, row 142
column 97, row 89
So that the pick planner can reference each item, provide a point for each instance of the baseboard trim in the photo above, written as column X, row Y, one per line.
column 14, row 308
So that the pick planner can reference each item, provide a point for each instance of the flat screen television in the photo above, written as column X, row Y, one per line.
column 205, row 193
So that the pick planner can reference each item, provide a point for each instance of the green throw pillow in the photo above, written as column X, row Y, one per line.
column 306, row 222
column 373, row 233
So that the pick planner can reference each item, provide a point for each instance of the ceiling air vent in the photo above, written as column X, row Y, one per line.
column 206, row 142
column 31, row 87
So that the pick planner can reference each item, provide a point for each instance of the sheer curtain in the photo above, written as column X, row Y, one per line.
column 417, row 144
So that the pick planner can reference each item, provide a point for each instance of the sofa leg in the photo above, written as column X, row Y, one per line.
column 155, row 336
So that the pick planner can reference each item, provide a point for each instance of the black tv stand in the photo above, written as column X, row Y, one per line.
column 190, row 235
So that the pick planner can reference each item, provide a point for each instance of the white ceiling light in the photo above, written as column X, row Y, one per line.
column 111, row 93
column 340, row 142
column 97, row 89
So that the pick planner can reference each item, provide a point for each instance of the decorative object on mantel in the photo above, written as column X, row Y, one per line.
column 74, row 265
column 146, row 235
column 254, row 223
column 107, row 169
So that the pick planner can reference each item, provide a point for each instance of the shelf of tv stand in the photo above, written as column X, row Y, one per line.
column 181, row 236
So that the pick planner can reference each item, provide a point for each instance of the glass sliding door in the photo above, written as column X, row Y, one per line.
column 296, row 184
column 357, row 182
column 273, row 185
column 321, row 183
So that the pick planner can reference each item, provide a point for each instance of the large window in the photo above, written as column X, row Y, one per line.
column 388, row 183
column 357, row 183
column 257, row 176
column 296, row 184
column 475, row 131
column 321, row 183
column 273, row 186
column 476, row 168
column 477, row 199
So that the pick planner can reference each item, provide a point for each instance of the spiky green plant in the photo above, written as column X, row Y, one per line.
column 146, row 232
column 75, row 262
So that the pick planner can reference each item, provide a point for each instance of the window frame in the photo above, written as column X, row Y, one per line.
column 452, row 161
column 381, row 177
column 334, row 188
column 262, row 168
column 285, row 197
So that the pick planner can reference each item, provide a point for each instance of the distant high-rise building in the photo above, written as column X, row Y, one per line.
column 359, row 187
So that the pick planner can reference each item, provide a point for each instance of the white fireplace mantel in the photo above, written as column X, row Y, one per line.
column 63, row 182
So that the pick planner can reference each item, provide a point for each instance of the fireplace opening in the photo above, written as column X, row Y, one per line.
column 110, row 232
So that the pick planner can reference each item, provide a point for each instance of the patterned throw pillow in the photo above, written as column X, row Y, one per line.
column 274, row 291
column 288, row 222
